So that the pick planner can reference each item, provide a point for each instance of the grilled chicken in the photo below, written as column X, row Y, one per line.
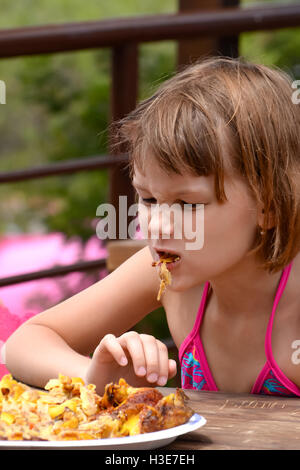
column 70, row 410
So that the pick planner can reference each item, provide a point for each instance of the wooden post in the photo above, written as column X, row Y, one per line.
column 190, row 50
column 124, row 92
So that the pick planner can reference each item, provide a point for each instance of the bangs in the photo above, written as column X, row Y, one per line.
column 179, row 134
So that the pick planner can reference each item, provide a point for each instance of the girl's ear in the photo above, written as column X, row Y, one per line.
column 262, row 222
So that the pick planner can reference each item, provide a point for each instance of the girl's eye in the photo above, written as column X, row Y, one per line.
column 189, row 205
column 149, row 200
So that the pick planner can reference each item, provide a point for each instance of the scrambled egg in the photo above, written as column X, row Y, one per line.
column 70, row 410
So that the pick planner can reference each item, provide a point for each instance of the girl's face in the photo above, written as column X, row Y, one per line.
column 227, row 229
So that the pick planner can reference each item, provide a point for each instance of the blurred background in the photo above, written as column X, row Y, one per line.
column 57, row 107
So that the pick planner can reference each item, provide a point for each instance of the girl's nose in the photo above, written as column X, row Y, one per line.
column 160, row 223
column 156, row 222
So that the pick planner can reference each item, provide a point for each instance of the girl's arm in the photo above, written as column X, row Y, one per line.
column 60, row 339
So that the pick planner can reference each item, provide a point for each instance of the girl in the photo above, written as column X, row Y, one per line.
column 222, row 133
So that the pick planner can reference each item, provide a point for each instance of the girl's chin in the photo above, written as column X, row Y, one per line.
column 181, row 284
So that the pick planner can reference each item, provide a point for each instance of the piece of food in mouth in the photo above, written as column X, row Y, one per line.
column 164, row 274
column 70, row 410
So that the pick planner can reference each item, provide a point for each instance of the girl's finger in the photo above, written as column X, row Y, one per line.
column 109, row 344
column 133, row 344
column 152, row 357
column 163, row 363
column 172, row 368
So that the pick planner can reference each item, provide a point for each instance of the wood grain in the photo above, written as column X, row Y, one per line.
column 242, row 421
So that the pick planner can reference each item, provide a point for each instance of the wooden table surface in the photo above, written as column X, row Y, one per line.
column 241, row 421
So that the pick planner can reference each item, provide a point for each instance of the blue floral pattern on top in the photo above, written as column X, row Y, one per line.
column 191, row 373
column 272, row 386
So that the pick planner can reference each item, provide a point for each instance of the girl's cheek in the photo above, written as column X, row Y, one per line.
column 193, row 228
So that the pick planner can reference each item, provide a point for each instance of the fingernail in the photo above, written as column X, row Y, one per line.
column 123, row 361
column 152, row 377
column 141, row 371
column 162, row 381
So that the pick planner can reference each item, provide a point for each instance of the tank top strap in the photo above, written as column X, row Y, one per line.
column 277, row 372
column 197, row 324
column 201, row 308
column 280, row 289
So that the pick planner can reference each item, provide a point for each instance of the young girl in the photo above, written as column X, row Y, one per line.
column 222, row 133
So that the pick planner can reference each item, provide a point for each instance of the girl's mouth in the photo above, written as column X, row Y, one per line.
column 170, row 259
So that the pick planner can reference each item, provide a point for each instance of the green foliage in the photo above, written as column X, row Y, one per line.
column 280, row 49
column 58, row 107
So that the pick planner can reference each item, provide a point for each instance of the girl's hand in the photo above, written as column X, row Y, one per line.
column 139, row 358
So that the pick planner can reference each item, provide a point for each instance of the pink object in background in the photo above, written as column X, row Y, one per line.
column 8, row 324
column 27, row 253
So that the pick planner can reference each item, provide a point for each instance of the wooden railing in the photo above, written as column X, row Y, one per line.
column 120, row 32
column 124, row 36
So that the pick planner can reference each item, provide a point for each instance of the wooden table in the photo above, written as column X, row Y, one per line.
column 241, row 421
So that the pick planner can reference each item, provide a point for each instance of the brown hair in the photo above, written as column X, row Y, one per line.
column 184, row 124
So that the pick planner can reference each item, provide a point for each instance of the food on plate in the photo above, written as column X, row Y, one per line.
column 70, row 410
column 164, row 274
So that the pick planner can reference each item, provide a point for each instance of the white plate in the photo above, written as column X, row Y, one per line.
column 151, row 440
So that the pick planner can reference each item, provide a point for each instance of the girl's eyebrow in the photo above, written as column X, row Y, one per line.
column 181, row 192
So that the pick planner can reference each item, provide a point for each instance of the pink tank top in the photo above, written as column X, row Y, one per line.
column 195, row 372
